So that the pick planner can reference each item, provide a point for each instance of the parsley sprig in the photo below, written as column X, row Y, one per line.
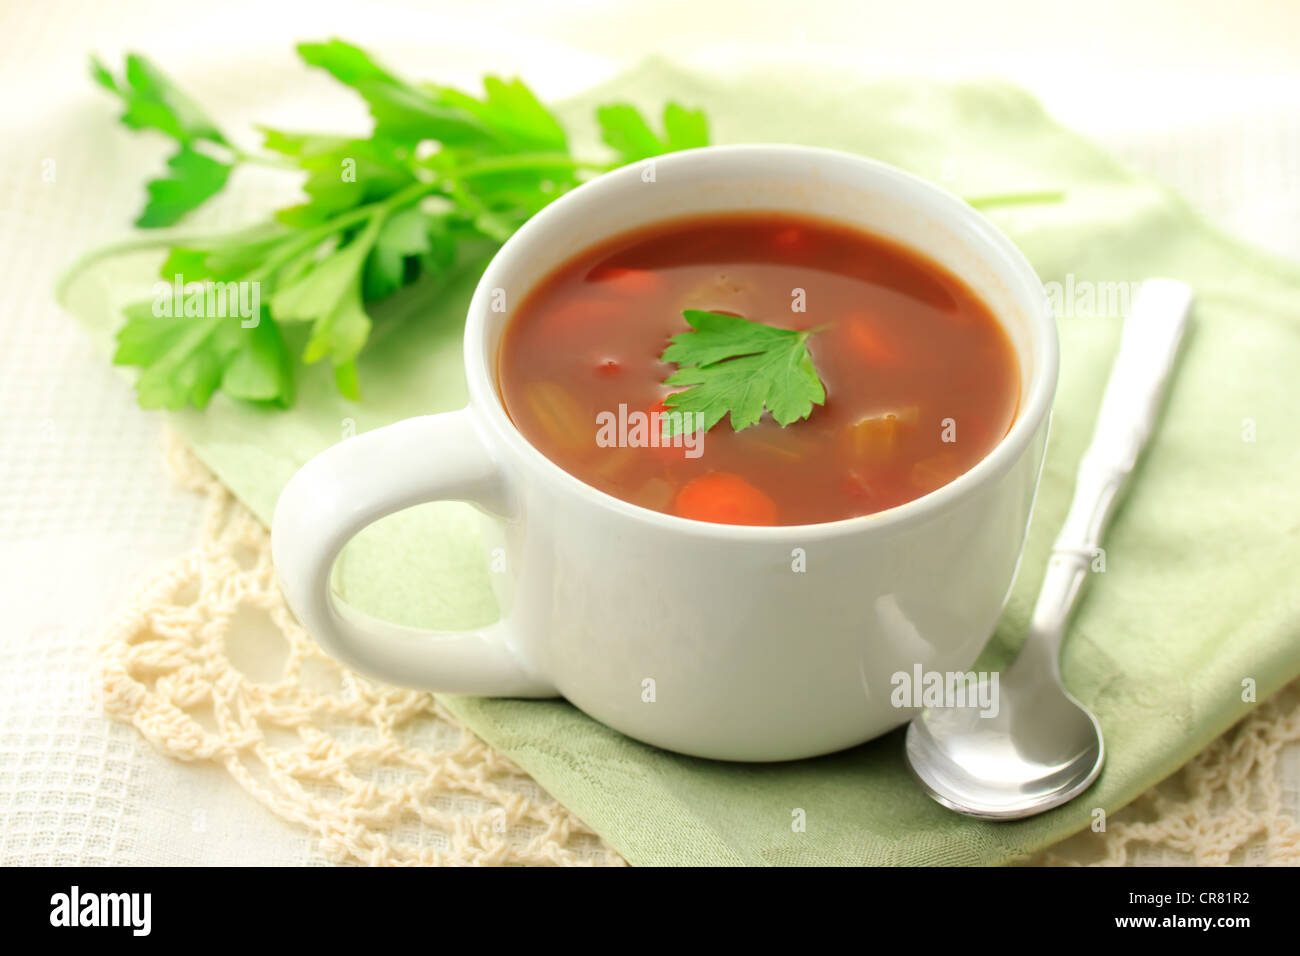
column 734, row 366
column 443, row 175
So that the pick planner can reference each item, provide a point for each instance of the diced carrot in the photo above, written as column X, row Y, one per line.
column 865, row 340
column 625, row 281
column 724, row 498
column 788, row 238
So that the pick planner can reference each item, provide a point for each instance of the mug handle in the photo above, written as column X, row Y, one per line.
column 355, row 483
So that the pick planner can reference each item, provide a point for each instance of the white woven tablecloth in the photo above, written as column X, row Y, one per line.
column 1207, row 101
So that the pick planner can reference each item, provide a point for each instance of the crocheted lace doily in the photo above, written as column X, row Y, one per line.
column 378, row 774
column 382, row 775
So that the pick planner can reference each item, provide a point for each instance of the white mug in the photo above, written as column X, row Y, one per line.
column 702, row 638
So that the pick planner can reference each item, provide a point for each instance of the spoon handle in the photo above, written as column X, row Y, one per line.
column 1129, row 407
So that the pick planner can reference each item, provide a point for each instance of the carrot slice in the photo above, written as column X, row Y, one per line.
column 724, row 498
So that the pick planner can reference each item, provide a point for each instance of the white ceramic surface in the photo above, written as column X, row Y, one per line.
column 602, row 600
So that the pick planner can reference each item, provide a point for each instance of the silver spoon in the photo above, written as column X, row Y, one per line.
column 1043, row 747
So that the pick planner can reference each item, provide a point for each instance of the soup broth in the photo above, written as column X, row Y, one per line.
column 921, row 380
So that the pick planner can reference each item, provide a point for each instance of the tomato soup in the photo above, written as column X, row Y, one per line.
column 920, row 379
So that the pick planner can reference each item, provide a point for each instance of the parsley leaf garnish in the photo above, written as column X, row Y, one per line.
column 739, row 367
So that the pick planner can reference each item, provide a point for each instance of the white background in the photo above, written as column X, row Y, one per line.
column 1203, row 94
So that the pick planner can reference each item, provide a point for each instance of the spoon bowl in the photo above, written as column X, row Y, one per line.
column 1041, row 749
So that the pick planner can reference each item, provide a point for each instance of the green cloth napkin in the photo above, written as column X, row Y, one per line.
column 1200, row 591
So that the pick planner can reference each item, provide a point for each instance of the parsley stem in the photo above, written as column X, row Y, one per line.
column 260, row 159
column 311, row 237
column 1016, row 199
column 505, row 164
column 123, row 248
